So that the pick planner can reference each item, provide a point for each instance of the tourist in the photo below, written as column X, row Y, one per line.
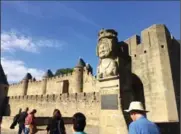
column 140, row 124
column 21, row 121
column 56, row 124
column 30, row 126
column 15, row 119
column 79, row 123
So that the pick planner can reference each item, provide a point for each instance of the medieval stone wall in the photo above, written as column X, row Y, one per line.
column 34, row 87
column 15, row 89
column 87, row 103
column 89, row 83
column 55, row 85
column 174, row 56
column 151, row 64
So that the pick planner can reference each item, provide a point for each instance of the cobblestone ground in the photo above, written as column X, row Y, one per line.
column 88, row 130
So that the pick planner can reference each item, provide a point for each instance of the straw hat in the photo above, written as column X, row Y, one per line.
column 136, row 106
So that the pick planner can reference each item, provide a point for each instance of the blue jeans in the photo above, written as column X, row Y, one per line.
column 21, row 128
column 27, row 130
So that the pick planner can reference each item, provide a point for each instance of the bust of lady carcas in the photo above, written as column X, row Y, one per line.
column 107, row 65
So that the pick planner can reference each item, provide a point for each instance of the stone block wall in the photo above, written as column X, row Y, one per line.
column 89, row 83
column 34, row 87
column 54, row 85
column 151, row 64
column 174, row 56
column 15, row 89
column 87, row 103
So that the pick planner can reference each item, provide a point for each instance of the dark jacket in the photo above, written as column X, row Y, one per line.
column 22, row 117
column 15, row 121
column 56, row 126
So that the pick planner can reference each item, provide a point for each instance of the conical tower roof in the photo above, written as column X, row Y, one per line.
column 28, row 76
column 3, row 79
column 80, row 63
column 89, row 68
column 48, row 73
column 34, row 79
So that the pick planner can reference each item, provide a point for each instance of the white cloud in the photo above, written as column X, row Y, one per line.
column 17, row 69
column 11, row 41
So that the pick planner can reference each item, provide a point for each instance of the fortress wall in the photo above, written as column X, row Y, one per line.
column 34, row 87
column 55, row 85
column 89, row 83
column 15, row 89
column 87, row 103
column 150, row 62
column 135, row 47
column 174, row 53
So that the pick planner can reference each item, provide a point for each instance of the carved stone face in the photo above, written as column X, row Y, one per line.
column 104, row 49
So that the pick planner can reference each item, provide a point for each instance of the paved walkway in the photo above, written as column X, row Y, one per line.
column 88, row 130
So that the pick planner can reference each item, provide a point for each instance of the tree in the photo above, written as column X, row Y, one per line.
column 63, row 71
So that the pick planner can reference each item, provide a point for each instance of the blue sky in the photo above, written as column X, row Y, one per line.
column 40, row 35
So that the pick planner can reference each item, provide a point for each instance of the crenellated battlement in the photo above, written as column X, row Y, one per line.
column 148, row 40
column 80, row 97
column 16, row 84
column 34, row 81
column 64, row 76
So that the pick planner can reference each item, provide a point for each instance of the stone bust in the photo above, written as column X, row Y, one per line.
column 107, row 65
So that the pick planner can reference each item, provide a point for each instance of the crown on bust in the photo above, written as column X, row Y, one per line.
column 103, row 33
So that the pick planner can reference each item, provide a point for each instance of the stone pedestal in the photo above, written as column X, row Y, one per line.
column 111, row 116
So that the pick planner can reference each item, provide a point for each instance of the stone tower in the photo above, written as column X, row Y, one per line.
column 155, row 61
column 78, row 76
column 25, row 83
column 3, row 89
column 47, row 75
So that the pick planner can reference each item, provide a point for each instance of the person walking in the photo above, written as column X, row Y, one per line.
column 15, row 119
column 140, row 124
column 30, row 126
column 21, row 121
column 79, row 123
column 56, row 124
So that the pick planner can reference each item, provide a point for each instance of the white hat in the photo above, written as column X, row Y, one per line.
column 135, row 105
